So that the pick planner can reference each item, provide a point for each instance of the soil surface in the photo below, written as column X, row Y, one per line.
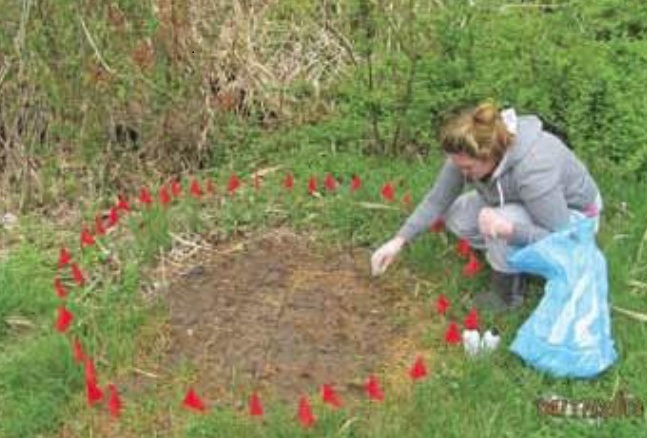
column 279, row 314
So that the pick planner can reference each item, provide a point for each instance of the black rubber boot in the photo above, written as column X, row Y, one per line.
column 507, row 292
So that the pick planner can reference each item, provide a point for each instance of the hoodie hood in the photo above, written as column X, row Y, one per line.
column 527, row 130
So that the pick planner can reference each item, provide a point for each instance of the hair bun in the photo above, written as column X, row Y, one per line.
column 486, row 114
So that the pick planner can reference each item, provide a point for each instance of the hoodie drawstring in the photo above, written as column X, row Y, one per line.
column 500, row 190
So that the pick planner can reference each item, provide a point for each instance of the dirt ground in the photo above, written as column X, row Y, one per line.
column 280, row 314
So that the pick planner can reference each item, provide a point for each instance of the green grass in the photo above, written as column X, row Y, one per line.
column 493, row 396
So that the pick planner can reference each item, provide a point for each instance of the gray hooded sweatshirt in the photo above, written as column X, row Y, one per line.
column 538, row 171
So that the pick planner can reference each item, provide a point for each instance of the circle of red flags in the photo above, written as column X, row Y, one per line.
column 192, row 401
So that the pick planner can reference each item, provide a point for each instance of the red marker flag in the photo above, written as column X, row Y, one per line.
column 471, row 321
column 64, row 258
column 86, row 238
column 330, row 183
column 442, row 304
column 78, row 275
column 61, row 292
column 114, row 401
column 312, row 185
column 113, row 217
column 472, row 267
column 452, row 334
column 123, row 204
column 93, row 392
column 64, row 319
column 463, row 247
column 145, row 196
column 306, row 417
column 164, row 196
column 355, row 183
column 418, row 370
column 195, row 189
column 373, row 390
column 176, row 188
column 90, row 372
column 77, row 350
column 388, row 192
column 192, row 401
column 255, row 406
column 329, row 396
column 288, row 181
column 233, row 184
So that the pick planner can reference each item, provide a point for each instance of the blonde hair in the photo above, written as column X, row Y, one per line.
column 478, row 132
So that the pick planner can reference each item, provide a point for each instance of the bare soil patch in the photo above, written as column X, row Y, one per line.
column 281, row 314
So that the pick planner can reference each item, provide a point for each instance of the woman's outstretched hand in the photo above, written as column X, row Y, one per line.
column 384, row 256
column 492, row 224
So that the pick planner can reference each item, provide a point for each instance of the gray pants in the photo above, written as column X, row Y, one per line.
column 462, row 219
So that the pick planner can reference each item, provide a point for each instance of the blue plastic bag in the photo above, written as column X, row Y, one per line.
column 569, row 333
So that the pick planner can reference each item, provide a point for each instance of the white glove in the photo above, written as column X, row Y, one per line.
column 384, row 256
column 494, row 225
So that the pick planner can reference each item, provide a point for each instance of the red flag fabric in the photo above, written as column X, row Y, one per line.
column 471, row 321
column 176, row 188
column 123, row 204
column 90, row 371
column 77, row 274
column 255, row 406
column 145, row 196
column 388, row 192
column 306, row 417
column 93, row 392
column 64, row 258
column 164, row 196
column 288, row 181
column 195, row 189
column 329, row 396
column 233, row 184
column 86, row 238
column 113, row 217
column 312, row 185
column 64, row 319
column 114, row 401
column 61, row 292
column 472, row 267
column 442, row 304
column 463, row 247
column 99, row 228
column 355, row 183
column 192, row 401
column 418, row 370
column 77, row 349
column 373, row 389
column 438, row 226
column 330, row 183
column 452, row 334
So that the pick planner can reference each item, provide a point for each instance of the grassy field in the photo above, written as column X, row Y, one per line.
column 42, row 393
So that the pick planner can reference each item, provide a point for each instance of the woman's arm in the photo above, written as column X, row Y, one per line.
column 447, row 187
